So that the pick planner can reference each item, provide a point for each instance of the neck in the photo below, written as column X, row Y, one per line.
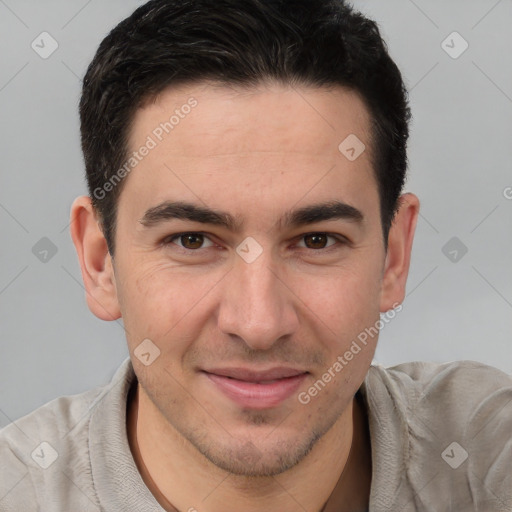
column 334, row 477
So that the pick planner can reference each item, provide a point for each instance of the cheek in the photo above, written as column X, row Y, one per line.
column 144, row 298
column 151, row 280
column 158, row 297
column 342, row 298
column 343, row 308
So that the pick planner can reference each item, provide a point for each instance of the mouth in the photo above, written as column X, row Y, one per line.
column 253, row 389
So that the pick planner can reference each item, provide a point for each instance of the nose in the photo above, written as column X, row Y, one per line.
column 257, row 305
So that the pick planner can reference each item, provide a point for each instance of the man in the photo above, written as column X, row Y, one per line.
column 245, row 163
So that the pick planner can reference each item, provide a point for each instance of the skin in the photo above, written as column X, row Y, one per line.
column 255, row 154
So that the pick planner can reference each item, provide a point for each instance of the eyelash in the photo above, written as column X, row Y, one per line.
column 168, row 240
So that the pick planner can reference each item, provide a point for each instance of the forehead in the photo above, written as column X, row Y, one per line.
column 306, row 119
column 230, row 147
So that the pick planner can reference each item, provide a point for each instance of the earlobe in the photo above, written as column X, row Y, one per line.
column 398, row 257
column 95, row 260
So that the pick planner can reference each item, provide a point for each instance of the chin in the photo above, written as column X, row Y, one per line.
column 256, row 458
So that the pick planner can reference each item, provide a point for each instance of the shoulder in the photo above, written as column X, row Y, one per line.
column 455, row 420
column 62, row 417
column 461, row 399
column 420, row 380
column 48, row 448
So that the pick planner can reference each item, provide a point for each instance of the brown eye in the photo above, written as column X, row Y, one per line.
column 191, row 241
column 316, row 240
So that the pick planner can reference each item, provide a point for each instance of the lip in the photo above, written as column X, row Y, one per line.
column 254, row 389
column 252, row 375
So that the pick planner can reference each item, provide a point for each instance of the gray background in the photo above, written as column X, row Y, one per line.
column 460, row 166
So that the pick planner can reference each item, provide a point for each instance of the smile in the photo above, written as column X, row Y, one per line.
column 256, row 390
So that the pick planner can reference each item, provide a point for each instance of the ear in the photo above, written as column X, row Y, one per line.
column 95, row 260
column 398, row 256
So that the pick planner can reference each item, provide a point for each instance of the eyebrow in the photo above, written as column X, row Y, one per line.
column 169, row 210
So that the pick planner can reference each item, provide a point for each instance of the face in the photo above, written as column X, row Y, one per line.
column 263, row 275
